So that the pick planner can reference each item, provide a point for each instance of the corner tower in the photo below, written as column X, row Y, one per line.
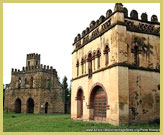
column 33, row 60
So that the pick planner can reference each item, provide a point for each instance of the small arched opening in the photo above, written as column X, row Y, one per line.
column 30, row 105
column 77, row 66
column 80, row 98
column 93, row 59
column 106, row 53
column 46, row 107
column 82, row 65
column 18, row 106
column 89, row 65
column 98, row 58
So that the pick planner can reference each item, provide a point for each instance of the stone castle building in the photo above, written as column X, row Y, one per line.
column 116, row 69
column 34, row 89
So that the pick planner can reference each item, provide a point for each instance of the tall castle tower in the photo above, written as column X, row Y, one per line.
column 116, row 69
column 34, row 89
column 33, row 60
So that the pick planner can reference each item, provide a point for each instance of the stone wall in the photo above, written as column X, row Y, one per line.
column 55, row 99
column 148, row 54
column 144, row 93
column 37, row 82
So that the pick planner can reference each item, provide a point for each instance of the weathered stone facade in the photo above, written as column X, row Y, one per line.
column 116, row 69
column 34, row 89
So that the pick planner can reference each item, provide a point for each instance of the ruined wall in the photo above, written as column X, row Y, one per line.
column 143, row 52
column 144, row 93
column 23, row 95
column 55, row 99
column 39, row 83
column 146, row 48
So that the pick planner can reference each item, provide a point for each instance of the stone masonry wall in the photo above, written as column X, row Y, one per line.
column 144, row 96
column 37, row 82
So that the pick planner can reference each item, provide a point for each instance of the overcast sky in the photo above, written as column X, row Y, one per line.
column 49, row 29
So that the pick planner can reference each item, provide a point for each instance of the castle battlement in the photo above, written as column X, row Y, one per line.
column 34, row 66
column 105, row 23
column 40, row 68
column 33, row 56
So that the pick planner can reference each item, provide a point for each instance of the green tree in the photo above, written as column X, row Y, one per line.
column 65, row 87
column 67, row 91
column 70, row 91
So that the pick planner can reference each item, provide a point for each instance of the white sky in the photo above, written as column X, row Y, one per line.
column 49, row 29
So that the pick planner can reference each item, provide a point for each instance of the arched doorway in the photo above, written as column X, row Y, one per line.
column 18, row 105
column 80, row 103
column 98, row 102
column 46, row 107
column 30, row 105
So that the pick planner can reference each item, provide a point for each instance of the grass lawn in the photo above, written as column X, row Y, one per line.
column 13, row 122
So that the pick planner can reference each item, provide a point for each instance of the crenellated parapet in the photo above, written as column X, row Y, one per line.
column 30, row 77
column 105, row 23
column 33, row 56
column 142, row 25
column 33, row 69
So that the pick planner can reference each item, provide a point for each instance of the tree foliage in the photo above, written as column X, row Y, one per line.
column 66, row 89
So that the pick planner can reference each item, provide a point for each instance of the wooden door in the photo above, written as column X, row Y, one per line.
column 100, row 107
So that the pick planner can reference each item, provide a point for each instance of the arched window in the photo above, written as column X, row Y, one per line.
column 106, row 53
column 93, row 58
column 19, row 83
column 36, row 63
column 77, row 65
column 25, row 82
column 82, row 65
column 85, row 62
column 28, row 63
column 89, row 65
column 98, row 58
